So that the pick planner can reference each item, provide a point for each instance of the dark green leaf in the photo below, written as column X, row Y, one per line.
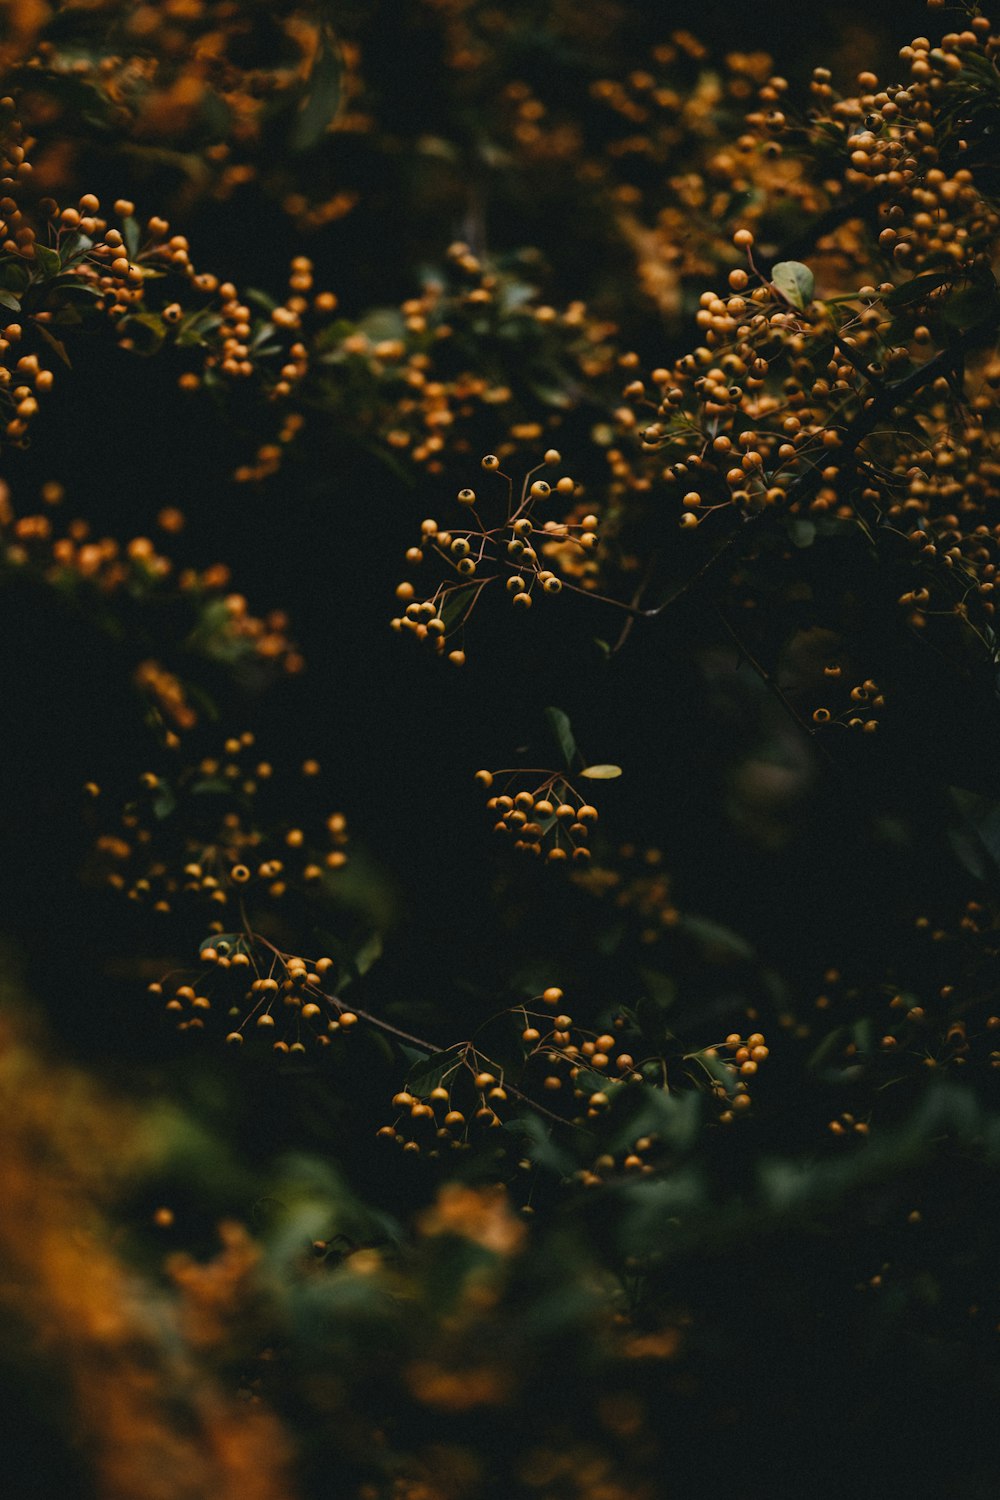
column 660, row 989
column 72, row 290
column 260, row 299
column 718, row 1070
column 541, row 1148
column 48, row 260
column 132, row 235
column 650, row 1110
column 917, row 290
column 562, row 732
column 720, row 944
column 73, row 247
column 56, row 345
column 429, row 1072
column 456, row 604
column 147, row 332
column 322, row 98
column 14, row 274
column 164, row 801
column 972, row 305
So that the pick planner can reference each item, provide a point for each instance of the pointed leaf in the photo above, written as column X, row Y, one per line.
column 48, row 260
column 322, row 99
column 132, row 235
column 562, row 731
column 794, row 281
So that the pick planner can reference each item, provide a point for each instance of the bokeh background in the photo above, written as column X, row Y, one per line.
column 796, row 1386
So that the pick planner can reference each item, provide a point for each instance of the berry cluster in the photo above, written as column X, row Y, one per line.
column 200, row 841
column 448, row 1114
column 256, row 988
column 553, row 818
column 480, row 555
column 212, row 622
column 861, row 713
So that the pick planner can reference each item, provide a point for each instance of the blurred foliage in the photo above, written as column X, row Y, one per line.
column 637, row 1134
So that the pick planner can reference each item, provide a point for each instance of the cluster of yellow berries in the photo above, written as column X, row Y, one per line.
column 866, row 699
column 846, row 1124
column 160, row 76
column 468, row 1097
column 553, row 819
column 568, row 1072
column 59, row 265
column 219, row 624
column 480, row 555
column 221, row 858
column 468, row 1091
column 255, row 988
column 562, row 1055
column 734, row 1064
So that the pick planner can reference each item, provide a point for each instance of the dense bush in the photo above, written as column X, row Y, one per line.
column 501, row 967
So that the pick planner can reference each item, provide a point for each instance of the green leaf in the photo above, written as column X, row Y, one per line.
column 541, row 1148
column 794, row 281
column 352, row 963
column 48, row 260
column 720, row 944
column 369, row 952
column 164, row 801
column 981, row 815
column 456, row 604
column 260, row 299
column 719, row 1071
column 972, row 305
column 675, row 1118
column 322, row 98
column 132, row 236
column 917, row 290
column 660, row 988
column 73, row 248
column 8, row 299
column 429, row 1071
column 71, row 290
column 589, row 1081
column 14, row 274
column 192, row 330
column 562, row 732
column 56, row 345
column 601, row 773
column 147, row 331
column 829, row 1048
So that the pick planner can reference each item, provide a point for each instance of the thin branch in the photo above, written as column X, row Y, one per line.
column 774, row 688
